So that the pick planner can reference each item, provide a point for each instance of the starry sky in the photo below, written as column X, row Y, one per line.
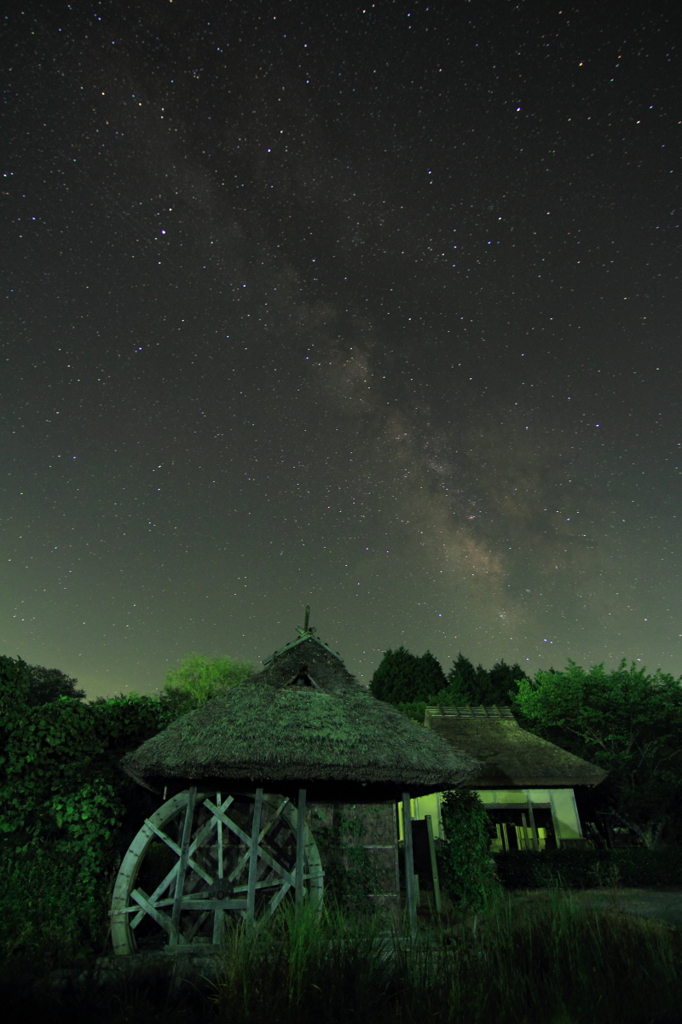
column 374, row 307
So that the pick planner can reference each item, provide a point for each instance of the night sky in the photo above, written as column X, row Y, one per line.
column 372, row 307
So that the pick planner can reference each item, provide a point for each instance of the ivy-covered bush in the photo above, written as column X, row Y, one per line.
column 62, row 792
column 465, row 867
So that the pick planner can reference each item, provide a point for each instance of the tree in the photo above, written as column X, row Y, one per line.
column 405, row 678
column 504, row 682
column 626, row 721
column 49, row 684
column 431, row 678
column 198, row 678
column 394, row 679
column 464, row 681
column 475, row 686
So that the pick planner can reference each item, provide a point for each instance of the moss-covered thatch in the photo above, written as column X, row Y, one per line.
column 511, row 756
column 302, row 721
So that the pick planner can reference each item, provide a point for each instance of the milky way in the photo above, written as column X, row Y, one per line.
column 373, row 308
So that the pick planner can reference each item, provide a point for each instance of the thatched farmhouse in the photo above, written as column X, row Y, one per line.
column 304, row 721
column 241, row 777
column 526, row 783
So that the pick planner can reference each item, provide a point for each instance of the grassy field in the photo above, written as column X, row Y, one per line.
column 554, row 963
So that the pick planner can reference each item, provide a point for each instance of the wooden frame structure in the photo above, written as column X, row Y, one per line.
column 218, row 867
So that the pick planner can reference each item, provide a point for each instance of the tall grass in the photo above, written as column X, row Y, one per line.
column 513, row 963
column 552, row 964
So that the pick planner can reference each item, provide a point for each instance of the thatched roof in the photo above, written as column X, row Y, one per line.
column 304, row 720
column 511, row 756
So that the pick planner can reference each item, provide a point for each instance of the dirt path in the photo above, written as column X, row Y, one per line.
column 664, row 904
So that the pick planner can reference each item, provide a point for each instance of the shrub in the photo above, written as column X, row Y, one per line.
column 465, row 866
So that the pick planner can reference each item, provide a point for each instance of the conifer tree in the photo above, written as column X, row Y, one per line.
column 475, row 686
column 464, row 682
column 395, row 677
column 404, row 678
column 431, row 678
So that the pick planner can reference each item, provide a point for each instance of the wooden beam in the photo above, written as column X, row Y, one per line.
column 531, row 818
column 219, row 916
column 182, row 866
column 434, row 865
column 253, row 861
column 526, row 830
column 300, row 841
column 410, row 881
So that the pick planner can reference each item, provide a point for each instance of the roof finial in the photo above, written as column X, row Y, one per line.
column 305, row 632
column 307, row 629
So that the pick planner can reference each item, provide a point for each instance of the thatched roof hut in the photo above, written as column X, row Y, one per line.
column 511, row 757
column 304, row 721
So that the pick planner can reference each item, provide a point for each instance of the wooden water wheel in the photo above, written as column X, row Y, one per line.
column 204, row 860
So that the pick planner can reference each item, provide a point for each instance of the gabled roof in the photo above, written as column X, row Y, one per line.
column 303, row 720
column 511, row 756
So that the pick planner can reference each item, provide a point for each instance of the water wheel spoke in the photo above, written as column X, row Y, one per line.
column 232, row 825
column 162, row 835
column 165, row 884
column 194, row 928
column 154, row 898
column 277, row 899
column 222, row 817
column 212, row 822
column 162, row 919
column 262, row 854
column 268, row 884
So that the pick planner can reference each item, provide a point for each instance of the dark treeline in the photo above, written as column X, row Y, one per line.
column 404, row 678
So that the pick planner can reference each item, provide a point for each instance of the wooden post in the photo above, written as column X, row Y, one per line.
column 434, row 865
column 410, row 886
column 524, row 825
column 531, row 818
column 253, row 861
column 219, row 915
column 182, row 867
column 300, row 839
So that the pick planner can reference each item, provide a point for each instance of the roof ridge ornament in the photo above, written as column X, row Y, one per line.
column 306, row 632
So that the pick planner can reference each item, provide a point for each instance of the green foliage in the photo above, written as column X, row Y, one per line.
column 626, row 721
column 413, row 683
column 60, row 781
column 463, row 680
column 552, row 962
column 416, row 710
column 431, row 678
column 464, row 860
column 476, row 686
column 15, row 685
column 53, row 913
column 66, row 807
column 198, row 678
column 403, row 678
column 393, row 680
